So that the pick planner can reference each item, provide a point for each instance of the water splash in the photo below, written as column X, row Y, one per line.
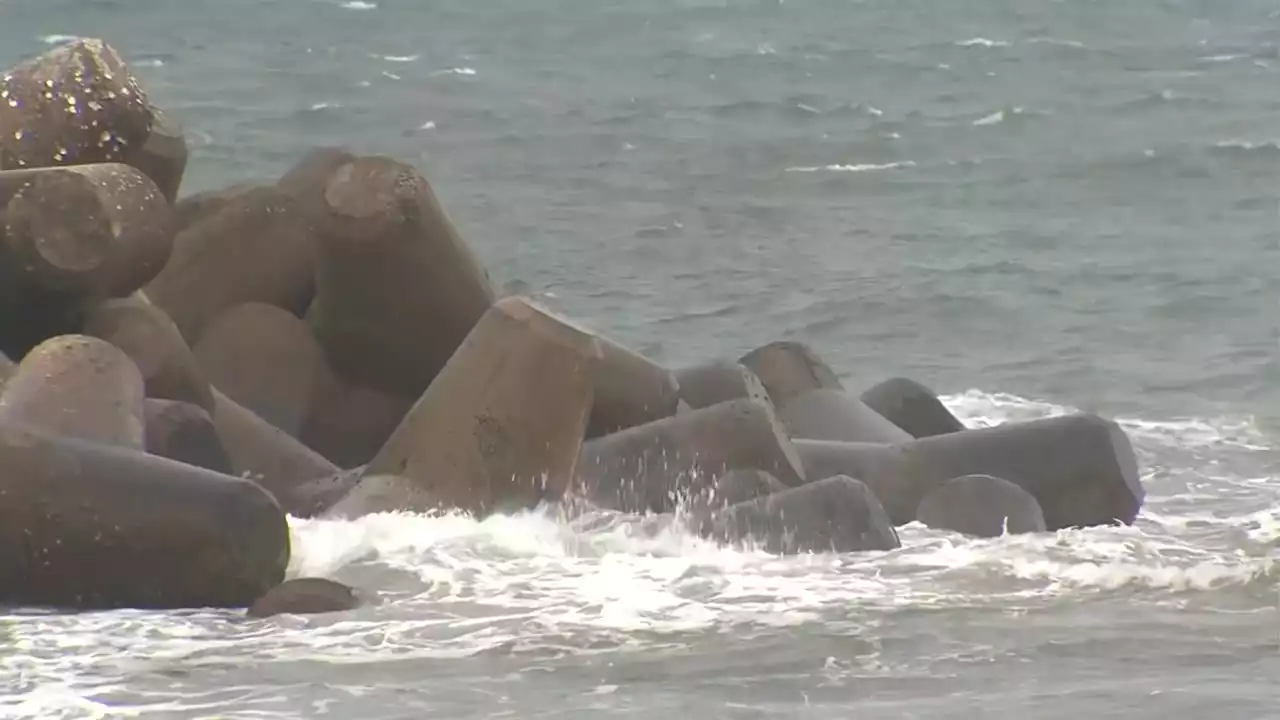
column 548, row 584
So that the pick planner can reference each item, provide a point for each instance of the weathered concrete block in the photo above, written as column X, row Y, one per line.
column 397, row 288
column 78, row 387
column 652, row 467
column 184, row 432
column 308, row 179
column 69, row 237
column 789, row 368
column 265, row 359
column 501, row 426
column 264, row 453
column 912, row 407
column 731, row 488
column 981, row 505
column 882, row 467
column 163, row 156
column 316, row 496
column 196, row 207
column 349, row 423
column 630, row 390
column 825, row 414
column 1081, row 468
column 97, row 230
column 837, row 514
column 92, row 526
column 258, row 247
column 718, row 381
column 151, row 339
column 74, row 105
column 79, row 104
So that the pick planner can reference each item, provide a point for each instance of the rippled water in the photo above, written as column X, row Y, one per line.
column 1069, row 201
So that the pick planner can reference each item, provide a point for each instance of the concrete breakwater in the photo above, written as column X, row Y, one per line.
column 337, row 349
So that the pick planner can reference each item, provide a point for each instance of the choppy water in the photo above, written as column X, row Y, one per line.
column 1077, row 202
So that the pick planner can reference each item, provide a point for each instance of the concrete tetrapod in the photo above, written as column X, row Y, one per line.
column 499, row 429
column 78, row 387
column 266, row 454
column 981, row 505
column 838, row 514
column 630, row 390
column 257, row 247
column 267, row 360
column 717, row 381
column 74, row 105
column 1081, row 468
column 184, row 432
column 912, row 407
column 349, row 423
column 101, row 230
column 789, row 368
column 70, row 236
column 826, row 414
column 151, row 339
column 163, row 156
column 318, row 496
column 307, row 180
column 651, row 468
column 733, row 487
column 92, row 526
column 196, row 207
column 397, row 289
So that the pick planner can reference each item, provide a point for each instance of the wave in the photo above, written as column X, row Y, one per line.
column 977, row 408
column 456, row 71
column 856, row 168
column 982, row 42
column 560, row 560
column 542, row 586
column 1266, row 149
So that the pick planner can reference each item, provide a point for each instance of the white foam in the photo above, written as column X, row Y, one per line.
column 982, row 42
column 977, row 408
column 61, row 700
column 453, row 586
column 628, row 574
column 456, row 71
column 858, row 168
column 992, row 119
column 1269, row 146
column 358, row 5
column 1061, row 42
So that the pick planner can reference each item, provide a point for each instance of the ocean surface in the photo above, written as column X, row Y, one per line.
column 1033, row 206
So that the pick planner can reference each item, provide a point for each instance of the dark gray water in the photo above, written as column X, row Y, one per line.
column 1032, row 206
